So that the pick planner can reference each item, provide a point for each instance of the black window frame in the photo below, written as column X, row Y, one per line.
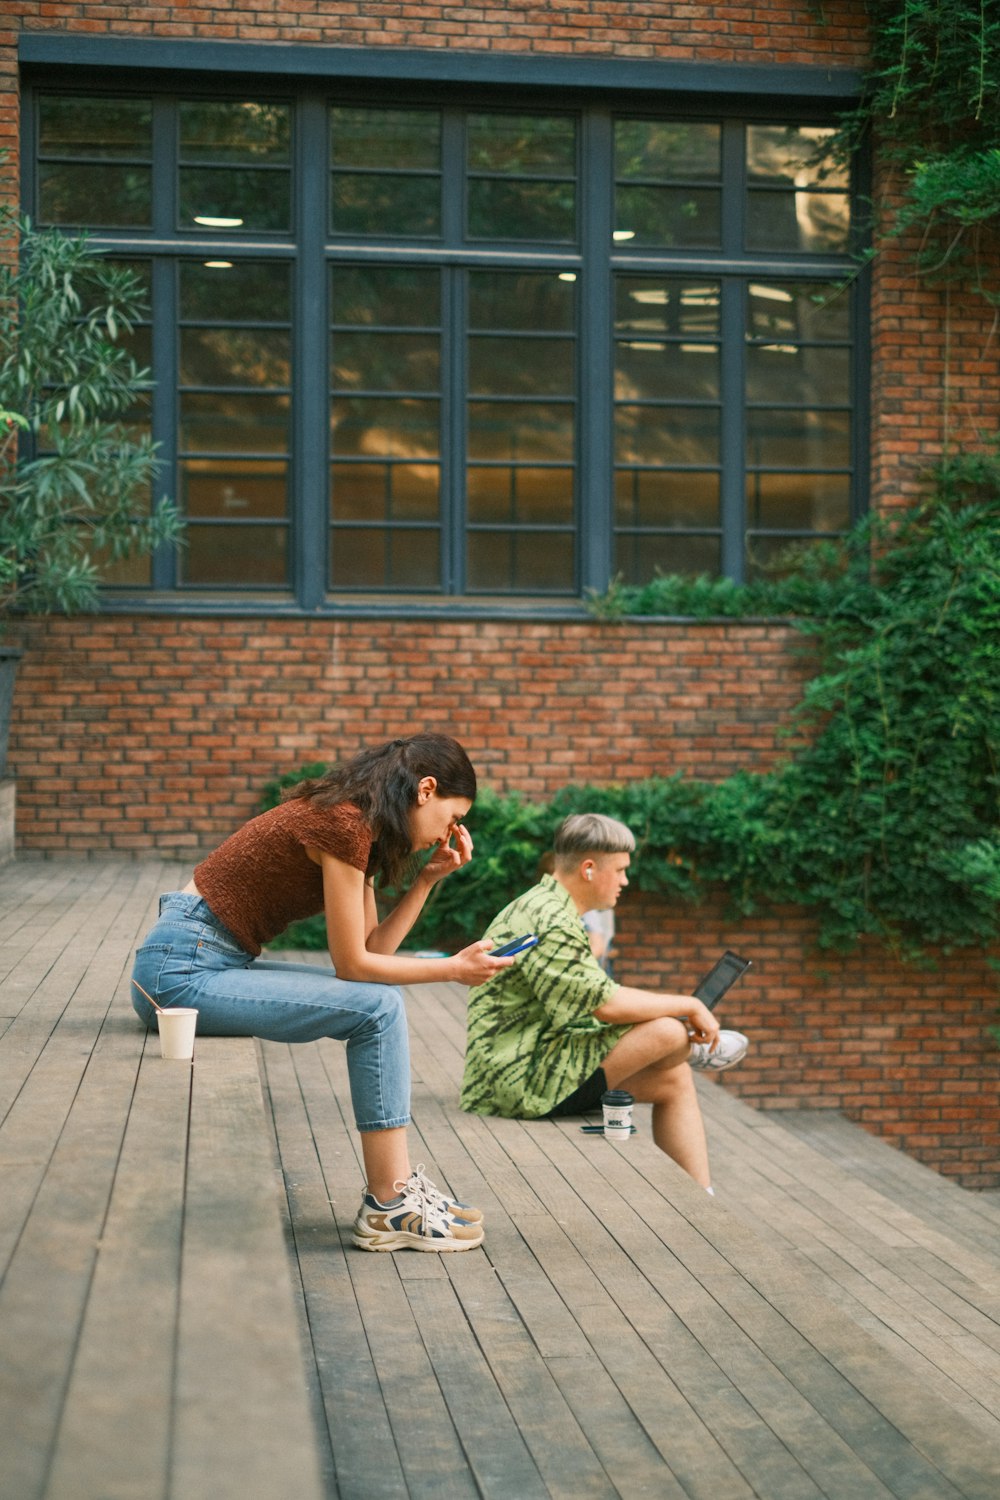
column 595, row 93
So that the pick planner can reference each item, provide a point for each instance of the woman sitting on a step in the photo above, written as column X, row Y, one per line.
column 322, row 849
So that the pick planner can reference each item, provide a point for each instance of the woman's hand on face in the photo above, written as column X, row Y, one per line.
column 475, row 964
column 448, row 855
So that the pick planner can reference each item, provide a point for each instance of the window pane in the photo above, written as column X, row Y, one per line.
column 645, row 369
column 502, row 210
column 370, row 427
column 793, row 156
column 806, row 376
column 667, row 150
column 798, row 502
column 522, row 496
column 100, row 197
column 386, row 361
column 243, row 292
column 666, row 435
column 640, row 558
column 520, row 430
column 78, row 125
column 793, row 310
column 233, row 198
column 659, row 304
column 818, row 223
column 380, row 558
column 387, row 205
column 235, row 356
column 511, row 366
column 234, row 423
column 668, row 217
column 521, row 145
column 661, row 498
column 401, row 492
column 532, row 300
column 798, row 439
column 235, row 131
column 399, row 296
column 776, row 556
column 234, row 491
column 384, row 146
column 532, row 562
column 359, row 492
column 242, row 555
column 400, row 139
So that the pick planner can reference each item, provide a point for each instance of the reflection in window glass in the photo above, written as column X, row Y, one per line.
column 385, row 480
column 525, row 430
column 798, row 419
column 94, row 167
column 537, row 562
column 667, row 305
column 235, row 131
column 664, row 499
column 798, row 502
column 666, row 193
column 797, row 198
column 521, row 422
column 799, row 310
column 793, row 156
column 667, row 150
column 235, row 556
column 639, row 558
column 234, row 166
column 667, row 421
column 386, row 175
column 385, row 296
column 522, row 177
column 234, row 344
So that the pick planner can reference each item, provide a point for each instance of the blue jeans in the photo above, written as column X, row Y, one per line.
column 189, row 958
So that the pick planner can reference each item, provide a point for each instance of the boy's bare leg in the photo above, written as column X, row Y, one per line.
column 664, row 1080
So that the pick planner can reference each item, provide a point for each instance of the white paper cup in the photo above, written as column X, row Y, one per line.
column 617, row 1107
column 176, row 1027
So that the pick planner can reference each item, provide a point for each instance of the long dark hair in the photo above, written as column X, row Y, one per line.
column 383, row 782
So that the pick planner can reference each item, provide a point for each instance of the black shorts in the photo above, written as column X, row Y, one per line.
column 582, row 1100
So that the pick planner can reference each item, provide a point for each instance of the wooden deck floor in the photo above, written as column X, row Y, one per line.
column 181, row 1314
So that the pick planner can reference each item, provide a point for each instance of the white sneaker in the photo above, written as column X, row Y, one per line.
column 413, row 1221
column 732, row 1049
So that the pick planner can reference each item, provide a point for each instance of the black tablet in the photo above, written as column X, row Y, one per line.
column 720, row 976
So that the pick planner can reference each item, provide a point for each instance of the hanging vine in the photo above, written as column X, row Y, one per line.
column 931, row 106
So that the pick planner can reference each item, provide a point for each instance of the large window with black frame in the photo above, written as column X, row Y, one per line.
column 409, row 349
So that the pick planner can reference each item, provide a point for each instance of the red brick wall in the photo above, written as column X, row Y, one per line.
column 784, row 31
column 903, row 1050
column 140, row 731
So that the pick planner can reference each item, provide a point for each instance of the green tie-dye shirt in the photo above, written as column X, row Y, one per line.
column 532, row 1034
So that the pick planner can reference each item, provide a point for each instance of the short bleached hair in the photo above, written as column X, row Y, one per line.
column 591, row 833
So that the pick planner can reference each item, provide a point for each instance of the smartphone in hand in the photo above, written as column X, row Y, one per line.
column 517, row 946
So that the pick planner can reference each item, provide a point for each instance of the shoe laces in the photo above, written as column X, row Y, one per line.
column 422, row 1183
column 421, row 1193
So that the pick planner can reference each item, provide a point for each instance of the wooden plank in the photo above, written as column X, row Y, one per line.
column 357, row 1424
column 243, row 1419
column 430, row 1453
column 122, row 1371
column 59, row 1148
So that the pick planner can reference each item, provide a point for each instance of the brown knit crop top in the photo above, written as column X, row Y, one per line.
column 261, row 878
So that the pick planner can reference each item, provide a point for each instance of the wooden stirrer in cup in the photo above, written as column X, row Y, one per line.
column 152, row 1002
